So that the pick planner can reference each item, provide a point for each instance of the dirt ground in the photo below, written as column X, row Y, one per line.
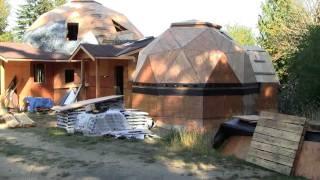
column 48, row 153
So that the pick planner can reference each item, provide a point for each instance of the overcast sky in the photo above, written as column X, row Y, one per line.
column 152, row 17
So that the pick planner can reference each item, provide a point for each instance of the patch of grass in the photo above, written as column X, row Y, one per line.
column 196, row 141
column 68, row 140
column 56, row 132
column 32, row 154
column 71, row 163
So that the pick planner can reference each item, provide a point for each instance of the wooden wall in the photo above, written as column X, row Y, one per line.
column 268, row 97
column 54, row 86
column 59, row 85
column 190, row 111
column 108, row 79
column 26, row 85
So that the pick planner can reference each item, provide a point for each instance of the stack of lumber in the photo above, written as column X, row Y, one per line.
column 137, row 119
column 67, row 115
column 104, row 116
column 17, row 120
column 67, row 119
column 112, row 123
column 276, row 142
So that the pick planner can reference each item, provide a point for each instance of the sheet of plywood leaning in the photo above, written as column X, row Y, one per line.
column 276, row 142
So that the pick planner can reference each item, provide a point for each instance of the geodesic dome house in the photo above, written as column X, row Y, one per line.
column 196, row 75
column 80, row 21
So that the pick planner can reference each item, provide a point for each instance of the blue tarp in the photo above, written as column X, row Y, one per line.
column 36, row 102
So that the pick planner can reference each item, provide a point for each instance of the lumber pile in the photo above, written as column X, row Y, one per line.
column 104, row 117
column 67, row 115
column 276, row 142
column 112, row 123
column 17, row 120
column 137, row 119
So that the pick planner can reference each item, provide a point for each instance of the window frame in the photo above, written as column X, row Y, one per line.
column 35, row 68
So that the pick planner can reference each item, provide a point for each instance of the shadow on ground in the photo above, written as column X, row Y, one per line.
column 49, row 153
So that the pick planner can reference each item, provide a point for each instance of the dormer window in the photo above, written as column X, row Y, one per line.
column 73, row 29
column 118, row 27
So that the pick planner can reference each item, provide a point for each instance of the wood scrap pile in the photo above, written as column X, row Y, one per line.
column 16, row 120
column 104, row 117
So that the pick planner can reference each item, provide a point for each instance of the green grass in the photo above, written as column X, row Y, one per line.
column 196, row 141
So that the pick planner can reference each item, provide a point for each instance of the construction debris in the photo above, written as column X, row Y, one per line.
column 104, row 117
column 68, row 115
column 17, row 120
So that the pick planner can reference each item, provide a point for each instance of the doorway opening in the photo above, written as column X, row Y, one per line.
column 119, row 80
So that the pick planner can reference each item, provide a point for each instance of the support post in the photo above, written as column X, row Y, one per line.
column 97, row 79
column 2, row 78
column 83, row 81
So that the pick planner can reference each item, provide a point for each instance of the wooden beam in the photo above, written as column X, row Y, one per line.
column 82, row 72
column 2, row 78
column 83, row 81
column 97, row 62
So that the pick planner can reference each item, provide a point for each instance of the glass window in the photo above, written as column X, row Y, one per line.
column 39, row 73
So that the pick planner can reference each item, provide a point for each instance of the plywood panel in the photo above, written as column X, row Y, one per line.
column 276, row 142
column 308, row 161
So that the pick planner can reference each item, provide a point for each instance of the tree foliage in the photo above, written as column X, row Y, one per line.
column 59, row 2
column 6, row 37
column 4, row 13
column 302, row 92
column 29, row 12
column 241, row 34
column 281, row 25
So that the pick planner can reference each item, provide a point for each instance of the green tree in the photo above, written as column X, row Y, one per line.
column 4, row 13
column 281, row 25
column 59, row 2
column 302, row 92
column 6, row 37
column 29, row 13
column 241, row 34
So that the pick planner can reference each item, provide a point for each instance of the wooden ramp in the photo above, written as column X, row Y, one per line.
column 276, row 141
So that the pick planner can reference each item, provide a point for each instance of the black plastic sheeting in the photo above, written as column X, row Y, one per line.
column 236, row 127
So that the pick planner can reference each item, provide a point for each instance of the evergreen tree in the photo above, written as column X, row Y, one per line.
column 4, row 13
column 29, row 13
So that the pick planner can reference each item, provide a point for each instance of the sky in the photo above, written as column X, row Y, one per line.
column 152, row 17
